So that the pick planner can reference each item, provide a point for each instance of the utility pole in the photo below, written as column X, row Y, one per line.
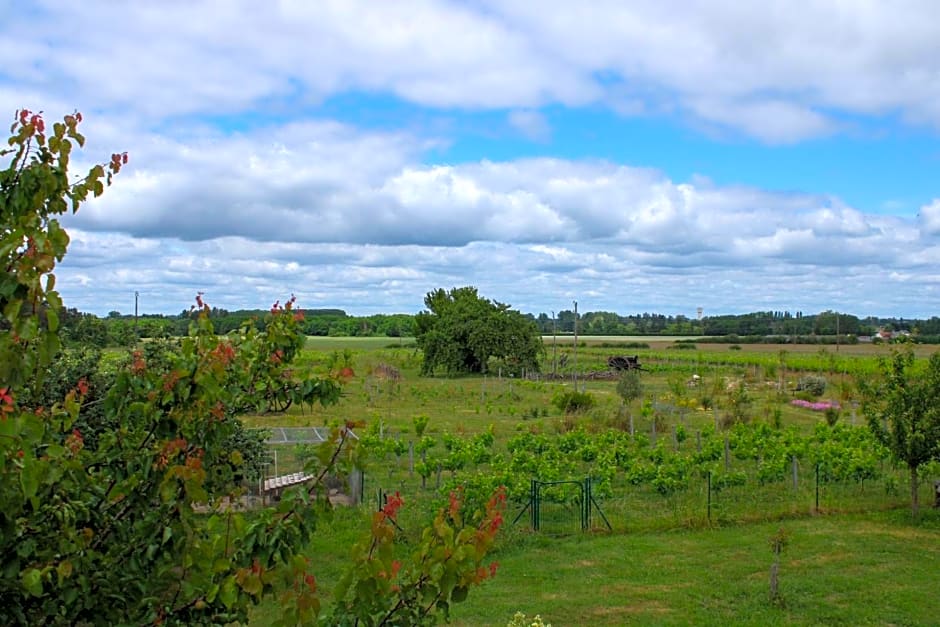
column 554, row 352
column 136, row 332
column 575, row 346
column 837, row 331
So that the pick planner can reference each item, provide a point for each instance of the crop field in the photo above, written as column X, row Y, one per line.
column 688, row 482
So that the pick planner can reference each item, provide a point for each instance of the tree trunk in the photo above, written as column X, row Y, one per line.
column 915, row 505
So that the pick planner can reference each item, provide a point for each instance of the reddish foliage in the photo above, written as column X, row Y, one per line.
column 170, row 380
column 392, row 504
column 224, row 353
column 170, row 450
column 454, row 507
column 218, row 411
column 139, row 365
column 75, row 442
column 6, row 401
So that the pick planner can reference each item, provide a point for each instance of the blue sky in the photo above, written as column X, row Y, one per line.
column 878, row 164
column 635, row 156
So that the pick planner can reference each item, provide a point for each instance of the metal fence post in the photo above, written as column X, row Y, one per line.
column 586, row 504
column 816, row 511
column 709, row 477
column 533, row 499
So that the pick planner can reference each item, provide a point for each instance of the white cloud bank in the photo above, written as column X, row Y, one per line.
column 774, row 70
column 351, row 219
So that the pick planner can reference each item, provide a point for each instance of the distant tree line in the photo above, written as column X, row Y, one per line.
column 760, row 324
column 117, row 329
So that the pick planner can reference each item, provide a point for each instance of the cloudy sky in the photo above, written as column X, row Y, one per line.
column 631, row 155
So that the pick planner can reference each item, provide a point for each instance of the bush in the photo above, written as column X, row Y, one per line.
column 623, row 345
column 572, row 401
column 520, row 620
column 812, row 384
column 832, row 416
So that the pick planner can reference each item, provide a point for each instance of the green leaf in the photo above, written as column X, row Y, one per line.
column 52, row 319
column 55, row 301
column 252, row 585
column 228, row 594
column 459, row 594
column 29, row 479
column 64, row 570
column 32, row 581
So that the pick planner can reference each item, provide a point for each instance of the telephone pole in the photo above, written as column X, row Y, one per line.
column 837, row 331
column 554, row 353
column 575, row 346
column 136, row 332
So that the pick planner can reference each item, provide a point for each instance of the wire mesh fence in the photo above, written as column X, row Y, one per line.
column 704, row 501
column 559, row 508
column 734, row 491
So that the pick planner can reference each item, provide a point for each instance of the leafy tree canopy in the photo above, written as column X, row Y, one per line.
column 904, row 412
column 461, row 332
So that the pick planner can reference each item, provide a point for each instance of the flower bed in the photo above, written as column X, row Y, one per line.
column 815, row 406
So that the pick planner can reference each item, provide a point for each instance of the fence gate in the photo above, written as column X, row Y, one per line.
column 561, row 506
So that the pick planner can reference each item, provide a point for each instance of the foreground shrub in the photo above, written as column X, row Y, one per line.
column 124, row 519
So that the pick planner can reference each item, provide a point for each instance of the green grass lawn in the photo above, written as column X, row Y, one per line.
column 841, row 570
column 322, row 343
column 862, row 569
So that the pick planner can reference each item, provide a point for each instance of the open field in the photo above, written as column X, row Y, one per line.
column 860, row 569
column 671, row 558
column 321, row 343
column 845, row 570
column 469, row 404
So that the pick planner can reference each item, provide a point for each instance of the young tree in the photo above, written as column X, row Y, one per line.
column 105, row 530
column 904, row 412
column 629, row 386
column 461, row 331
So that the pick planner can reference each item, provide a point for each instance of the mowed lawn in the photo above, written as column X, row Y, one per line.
column 874, row 569
column 861, row 569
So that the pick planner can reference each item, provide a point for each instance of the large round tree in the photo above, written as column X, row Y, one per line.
column 460, row 332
